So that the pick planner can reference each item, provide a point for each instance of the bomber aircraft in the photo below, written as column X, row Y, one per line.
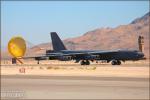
column 61, row 53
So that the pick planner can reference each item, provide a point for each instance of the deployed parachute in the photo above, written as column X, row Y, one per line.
column 17, row 47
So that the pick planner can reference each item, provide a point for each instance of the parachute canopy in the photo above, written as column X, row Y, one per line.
column 17, row 47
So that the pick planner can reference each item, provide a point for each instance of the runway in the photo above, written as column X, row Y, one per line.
column 74, row 87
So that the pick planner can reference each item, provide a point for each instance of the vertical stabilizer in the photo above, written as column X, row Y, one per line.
column 56, row 42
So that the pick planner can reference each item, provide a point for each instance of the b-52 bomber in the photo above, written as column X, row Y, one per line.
column 61, row 53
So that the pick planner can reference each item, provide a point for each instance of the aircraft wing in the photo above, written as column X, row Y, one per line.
column 91, row 53
column 46, row 56
column 103, row 52
column 70, row 54
column 38, row 56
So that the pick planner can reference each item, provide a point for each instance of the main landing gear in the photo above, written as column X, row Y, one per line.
column 116, row 62
column 38, row 62
column 85, row 62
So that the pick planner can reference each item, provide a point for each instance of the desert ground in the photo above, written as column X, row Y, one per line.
column 69, row 80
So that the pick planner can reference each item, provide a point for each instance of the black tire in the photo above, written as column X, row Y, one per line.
column 82, row 62
column 87, row 62
column 118, row 62
column 38, row 62
column 114, row 62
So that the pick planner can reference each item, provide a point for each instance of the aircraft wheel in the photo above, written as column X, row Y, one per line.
column 114, row 62
column 87, row 62
column 118, row 62
column 82, row 62
column 38, row 62
column 97, row 62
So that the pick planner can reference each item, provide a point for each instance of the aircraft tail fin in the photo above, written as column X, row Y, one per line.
column 57, row 42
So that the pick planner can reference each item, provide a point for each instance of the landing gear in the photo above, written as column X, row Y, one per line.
column 38, row 62
column 119, row 62
column 85, row 62
column 116, row 62
column 97, row 62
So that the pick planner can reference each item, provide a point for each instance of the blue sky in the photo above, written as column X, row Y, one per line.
column 34, row 20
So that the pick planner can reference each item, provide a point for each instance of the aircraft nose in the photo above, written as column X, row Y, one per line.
column 140, row 54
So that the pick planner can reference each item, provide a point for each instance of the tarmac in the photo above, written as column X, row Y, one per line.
column 59, row 80
column 73, row 87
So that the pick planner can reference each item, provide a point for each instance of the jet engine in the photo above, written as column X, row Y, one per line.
column 65, row 58
column 91, row 57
